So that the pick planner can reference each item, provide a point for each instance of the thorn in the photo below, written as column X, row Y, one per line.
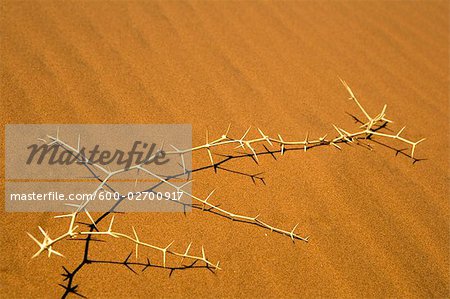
column 188, row 182
column 352, row 97
column 226, row 133
column 137, row 241
column 265, row 137
column 246, row 132
column 342, row 133
column 63, row 216
column 345, row 132
column 185, row 253
column 79, row 140
column 72, row 205
column 164, row 254
column 211, row 193
column 111, row 224
column 414, row 146
column 187, row 249
column 335, row 145
column 399, row 132
column 282, row 144
column 44, row 233
column 292, row 232
column 90, row 218
column 305, row 147
column 210, row 156
column 253, row 151
column 35, row 240
column 50, row 251
column 336, row 128
column 182, row 157
column 167, row 247
column 383, row 111
column 322, row 139
column 72, row 231
column 256, row 218
column 241, row 144
column 423, row 139
column 176, row 149
column 203, row 254
column 162, row 146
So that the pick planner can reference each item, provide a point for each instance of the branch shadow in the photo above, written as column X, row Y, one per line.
column 69, row 276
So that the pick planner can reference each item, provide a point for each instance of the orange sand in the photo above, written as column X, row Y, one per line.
column 378, row 225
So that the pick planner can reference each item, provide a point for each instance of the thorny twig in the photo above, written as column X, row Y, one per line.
column 367, row 129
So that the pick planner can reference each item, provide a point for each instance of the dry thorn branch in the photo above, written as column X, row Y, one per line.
column 47, row 243
column 369, row 128
column 109, row 174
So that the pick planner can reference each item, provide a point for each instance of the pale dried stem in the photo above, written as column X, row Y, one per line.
column 368, row 129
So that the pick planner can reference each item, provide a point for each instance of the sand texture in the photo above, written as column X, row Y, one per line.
column 378, row 225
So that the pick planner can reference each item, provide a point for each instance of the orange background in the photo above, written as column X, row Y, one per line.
column 378, row 224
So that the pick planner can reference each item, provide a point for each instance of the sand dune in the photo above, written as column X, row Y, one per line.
column 378, row 224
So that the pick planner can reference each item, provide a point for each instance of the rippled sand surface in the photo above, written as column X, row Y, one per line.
column 379, row 226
